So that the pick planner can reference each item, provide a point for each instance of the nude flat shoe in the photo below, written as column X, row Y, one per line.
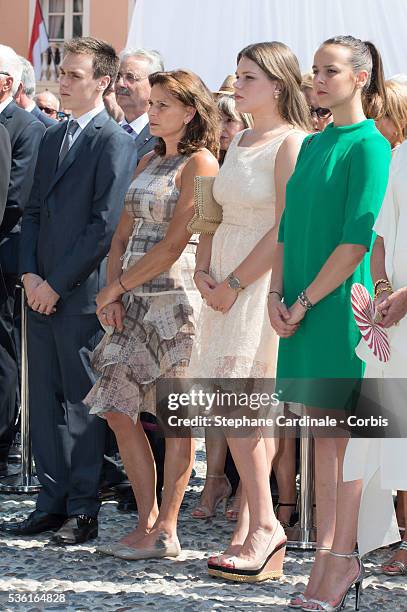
column 109, row 549
column 162, row 548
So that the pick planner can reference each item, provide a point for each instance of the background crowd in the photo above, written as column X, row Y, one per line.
column 109, row 169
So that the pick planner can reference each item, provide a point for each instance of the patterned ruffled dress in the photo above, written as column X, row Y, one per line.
column 159, row 325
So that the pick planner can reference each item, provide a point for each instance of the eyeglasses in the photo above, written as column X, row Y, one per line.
column 130, row 78
column 321, row 113
column 47, row 110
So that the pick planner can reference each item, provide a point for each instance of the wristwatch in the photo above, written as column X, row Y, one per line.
column 234, row 282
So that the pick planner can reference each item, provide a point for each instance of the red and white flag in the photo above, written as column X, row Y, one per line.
column 39, row 40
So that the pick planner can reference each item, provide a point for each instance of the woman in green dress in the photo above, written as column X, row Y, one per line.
column 332, row 200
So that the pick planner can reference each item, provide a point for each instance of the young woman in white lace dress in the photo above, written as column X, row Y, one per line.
column 234, row 337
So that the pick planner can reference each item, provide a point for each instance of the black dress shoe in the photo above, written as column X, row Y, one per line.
column 76, row 530
column 37, row 522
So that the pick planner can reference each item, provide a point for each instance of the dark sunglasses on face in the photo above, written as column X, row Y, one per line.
column 321, row 113
column 47, row 110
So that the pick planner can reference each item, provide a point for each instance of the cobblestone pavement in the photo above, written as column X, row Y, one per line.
column 76, row 578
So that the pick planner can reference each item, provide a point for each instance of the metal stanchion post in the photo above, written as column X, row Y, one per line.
column 303, row 535
column 25, row 482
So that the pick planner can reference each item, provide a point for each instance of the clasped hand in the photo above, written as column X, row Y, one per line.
column 219, row 296
column 40, row 295
column 285, row 321
column 110, row 310
column 392, row 307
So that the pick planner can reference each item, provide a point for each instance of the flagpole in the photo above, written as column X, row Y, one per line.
column 46, row 32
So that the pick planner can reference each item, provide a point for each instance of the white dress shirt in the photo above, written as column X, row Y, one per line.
column 138, row 124
column 82, row 122
column 30, row 107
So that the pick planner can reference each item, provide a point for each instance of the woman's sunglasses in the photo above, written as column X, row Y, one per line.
column 321, row 113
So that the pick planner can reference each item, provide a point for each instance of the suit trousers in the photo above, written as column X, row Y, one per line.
column 68, row 443
column 8, row 364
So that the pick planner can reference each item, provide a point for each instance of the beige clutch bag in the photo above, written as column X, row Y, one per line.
column 208, row 213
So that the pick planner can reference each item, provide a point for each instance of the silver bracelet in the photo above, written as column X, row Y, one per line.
column 304, row 301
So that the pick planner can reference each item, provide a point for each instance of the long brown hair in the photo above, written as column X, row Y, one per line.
column 204, row 128
column 279, row 63
column 365, row 56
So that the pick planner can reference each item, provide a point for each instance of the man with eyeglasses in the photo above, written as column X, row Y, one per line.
column 133, row 94
column 25, row 133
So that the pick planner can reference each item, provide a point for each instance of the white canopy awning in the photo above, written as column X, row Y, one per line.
column 206, row 35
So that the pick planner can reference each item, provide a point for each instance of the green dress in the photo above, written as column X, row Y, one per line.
column 332, row 198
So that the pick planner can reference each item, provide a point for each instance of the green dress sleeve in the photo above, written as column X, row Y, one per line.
column 368, row 176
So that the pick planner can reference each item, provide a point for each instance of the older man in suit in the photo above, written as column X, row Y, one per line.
column 25, row 134
column 5, row 167
column 133, row 94
column 83, row 171
column 5, row 400
column 26, row 92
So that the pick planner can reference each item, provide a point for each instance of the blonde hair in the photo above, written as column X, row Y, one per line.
column 397, row 106
column 227, row 106
column 307, row 81
column 279, row 63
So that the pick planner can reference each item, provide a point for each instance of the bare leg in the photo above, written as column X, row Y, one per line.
column 214, row 488
column 252, row 459
column 326, row 474
column 241, row 530
column 138, row 461
column 340, row 572
column 179, row 456
column 284, row 469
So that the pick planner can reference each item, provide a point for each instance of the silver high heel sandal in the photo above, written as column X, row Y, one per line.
column 357, row 582
column 300, row 596
column 399, row 568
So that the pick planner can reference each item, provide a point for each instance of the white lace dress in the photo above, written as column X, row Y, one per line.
column 240, row 343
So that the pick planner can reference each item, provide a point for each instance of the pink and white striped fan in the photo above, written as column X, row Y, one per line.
column 373, row 333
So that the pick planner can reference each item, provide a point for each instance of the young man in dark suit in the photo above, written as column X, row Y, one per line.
column 67, row 229
column 25, row 134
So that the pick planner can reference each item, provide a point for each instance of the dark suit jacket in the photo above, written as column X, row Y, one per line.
column 73, row 210
column 144, row 142
column 25, row 134
column 5, row 165
column 47, row 121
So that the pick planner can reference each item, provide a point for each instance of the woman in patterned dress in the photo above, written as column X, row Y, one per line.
column 151, row 303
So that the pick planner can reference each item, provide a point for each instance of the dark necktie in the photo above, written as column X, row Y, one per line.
column 66, row 145
column 129, row 129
